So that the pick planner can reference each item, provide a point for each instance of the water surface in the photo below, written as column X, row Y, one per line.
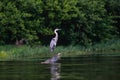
column 71, row 68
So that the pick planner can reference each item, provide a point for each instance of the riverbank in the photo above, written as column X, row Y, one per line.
column 12, row 52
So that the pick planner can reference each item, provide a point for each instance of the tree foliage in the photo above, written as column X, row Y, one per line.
column 83, row 22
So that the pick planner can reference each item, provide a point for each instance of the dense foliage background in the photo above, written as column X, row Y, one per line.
column 83, row 22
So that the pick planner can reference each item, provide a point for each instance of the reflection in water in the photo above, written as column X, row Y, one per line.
column 52, row 60
column 55, row 71
column 78, row 68
column 54, row 66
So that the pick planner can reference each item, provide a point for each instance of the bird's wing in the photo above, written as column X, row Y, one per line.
column 52, row 43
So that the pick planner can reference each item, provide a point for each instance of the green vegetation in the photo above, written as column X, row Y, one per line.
column 87, row 25
column 12, row 52
column 83, row 22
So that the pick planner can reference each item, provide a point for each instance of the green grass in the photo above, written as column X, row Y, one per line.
column 12, row 52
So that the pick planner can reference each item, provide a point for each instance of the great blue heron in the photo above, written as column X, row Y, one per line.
column 54, row 40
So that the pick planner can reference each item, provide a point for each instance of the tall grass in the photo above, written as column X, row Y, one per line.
column 109, row 46
column 12, row 52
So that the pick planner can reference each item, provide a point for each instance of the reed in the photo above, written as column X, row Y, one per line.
column 24, row 52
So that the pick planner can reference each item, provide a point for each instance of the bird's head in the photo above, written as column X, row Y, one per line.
column 57, row 29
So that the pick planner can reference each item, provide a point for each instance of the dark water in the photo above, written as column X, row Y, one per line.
column 79, row 68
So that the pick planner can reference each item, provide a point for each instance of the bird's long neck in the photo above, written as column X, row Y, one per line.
column 56, row 35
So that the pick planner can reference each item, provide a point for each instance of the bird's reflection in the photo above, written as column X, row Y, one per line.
column 55, row 67
column 55, row 71
column 52, row 60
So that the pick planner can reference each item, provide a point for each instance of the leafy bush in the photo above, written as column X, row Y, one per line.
column 83, row 22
